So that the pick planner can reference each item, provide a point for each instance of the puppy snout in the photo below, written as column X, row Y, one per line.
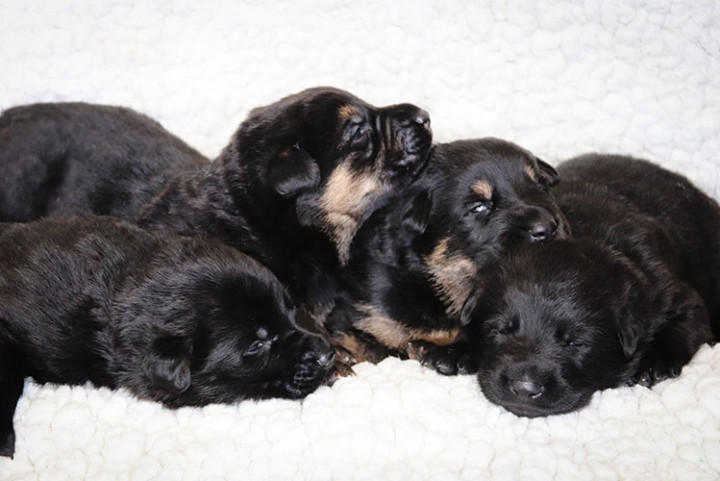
column 325, row 360
column 411, row 125
column 526, row 388
column 423, row 119
column 543, row 230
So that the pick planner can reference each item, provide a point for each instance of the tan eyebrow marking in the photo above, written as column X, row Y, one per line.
column 483, row 189
column 531, row 172
column 347, row 112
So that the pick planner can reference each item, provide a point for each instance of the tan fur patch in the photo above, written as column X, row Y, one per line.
column 531, row 173
column 348, row 111
column 358, row 348
column 344, row 201
column 452, row 274
column 483, row 189
column 394, row 335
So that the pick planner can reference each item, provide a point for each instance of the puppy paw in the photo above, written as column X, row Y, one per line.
column 344, row 361
column 448, row 360
column 7, row 444
column 653, row 371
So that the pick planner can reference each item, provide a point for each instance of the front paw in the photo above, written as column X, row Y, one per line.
column 448, row 360
column 653, row 371
column 344, row 361
column 7, row 443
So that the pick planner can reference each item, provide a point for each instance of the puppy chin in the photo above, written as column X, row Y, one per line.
column 534, row 410
column 554, row 403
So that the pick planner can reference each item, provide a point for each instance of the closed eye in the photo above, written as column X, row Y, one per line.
column 568, row 339
column 357, row 131
column 505, row 328
column 481, row 207
column 257, row 347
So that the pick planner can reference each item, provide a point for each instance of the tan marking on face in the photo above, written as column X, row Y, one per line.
column 347, row 112
column 531, row 173
column 452, row 274
column 346, row 198
column 483, row 189
column 394, row 335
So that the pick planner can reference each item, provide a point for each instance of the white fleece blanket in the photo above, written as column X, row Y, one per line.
column 561, row 77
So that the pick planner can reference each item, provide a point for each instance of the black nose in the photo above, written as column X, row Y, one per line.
column 543, row 230
column 423, row 118
column 408, row 115
column 525, row 388
column 326, row 359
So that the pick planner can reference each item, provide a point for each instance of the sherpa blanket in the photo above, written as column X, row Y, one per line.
column 562, row 77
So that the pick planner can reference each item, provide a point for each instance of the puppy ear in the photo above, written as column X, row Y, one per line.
column 548, row 174
column 293, row 171
column 415, row 219
column 468, row 309
column 630, row 332
column 170, row 369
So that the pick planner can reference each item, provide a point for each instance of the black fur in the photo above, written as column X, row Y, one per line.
column 295, row 183
column 628, row 301
column 414, row 261
column 180, row 320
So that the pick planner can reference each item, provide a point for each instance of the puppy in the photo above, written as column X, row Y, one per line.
column 414, row 262
column 628, row 301
column 297, row 180
column 180, row 320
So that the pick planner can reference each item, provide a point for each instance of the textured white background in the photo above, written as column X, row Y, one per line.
column 558, row 77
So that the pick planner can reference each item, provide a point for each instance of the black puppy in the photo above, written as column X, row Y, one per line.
column 291, row 189
column 180, row 320
column 628, row 301
column 414, row 262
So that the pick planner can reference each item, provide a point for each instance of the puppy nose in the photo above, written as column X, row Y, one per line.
column 408, row 115
column 326, row 360
column 543, row 230
column 423, row 118
column 525, row 388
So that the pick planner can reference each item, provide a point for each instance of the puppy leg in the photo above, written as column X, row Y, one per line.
column 11, row 386
column 354, row 347
column 686, row 328
column 451, row 359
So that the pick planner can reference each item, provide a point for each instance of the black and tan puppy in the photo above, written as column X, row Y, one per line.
column 180, row 320
column 629, row 300
column 414, row 263
column 297, row 180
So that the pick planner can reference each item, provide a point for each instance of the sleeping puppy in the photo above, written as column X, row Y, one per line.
column 83, row 158
column 628, row 301
column 180, row 320
column 414, row 262
column 297, row 180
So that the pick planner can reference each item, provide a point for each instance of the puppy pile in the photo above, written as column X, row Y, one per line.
column 329, row 232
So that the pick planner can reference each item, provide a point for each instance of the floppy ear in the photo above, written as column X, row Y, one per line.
column 293, row 171
column 633, row 316
column 630, row 332
column 170, row 367
column 548, row 174
column 468, row 309
column 415, row 219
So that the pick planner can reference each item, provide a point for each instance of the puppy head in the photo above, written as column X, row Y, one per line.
column 488, row 195
column 332, row 156
column 557, row 322
column 211, row 331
